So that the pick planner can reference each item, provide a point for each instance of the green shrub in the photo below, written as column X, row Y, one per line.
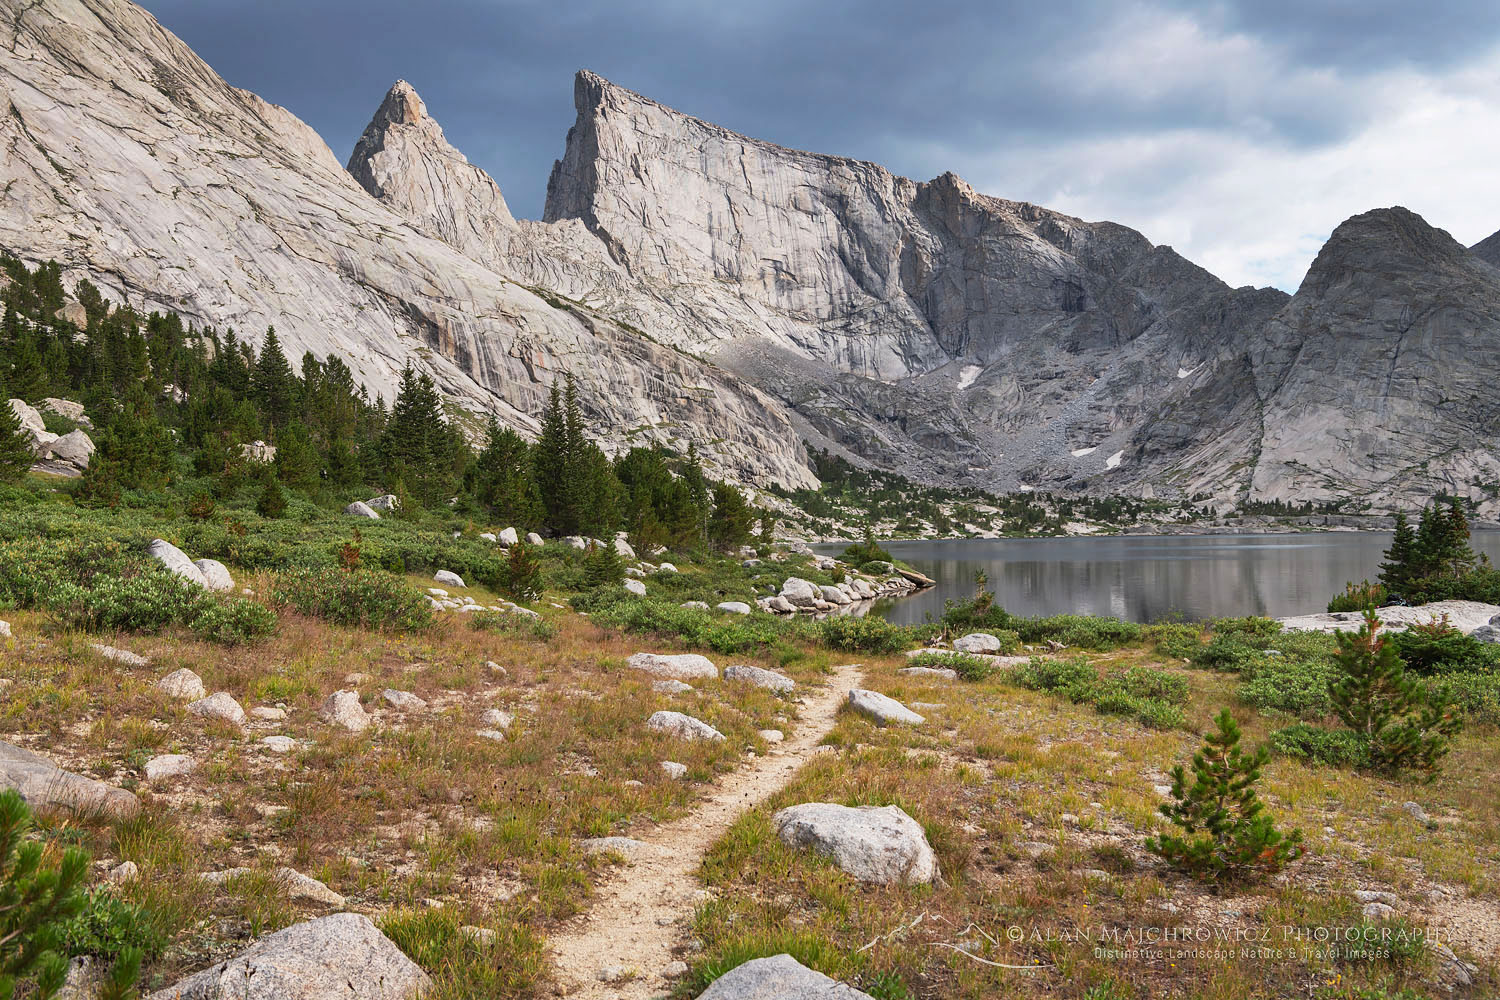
column 1176, row 640
column 866, row 551
column 1358, row 596
column 1295, row 686
column 1253, row 628
column 1336, row 747
column 1075, row 678
column 968, row 667
column 365, row 598
column 849, row 634
column 522, row 626
column 1226, row 833
column 877, row 567
column 234, row 621
column 1228, row 653
column 1428, row 649
column 1077, row 631
column 1476, row 694
column 147, row 601
column 107, row 927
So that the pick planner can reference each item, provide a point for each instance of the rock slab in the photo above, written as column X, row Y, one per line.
column 44, row 785
column 780, row 977
column 677, row 666
column 340, row 956
column 881, row 709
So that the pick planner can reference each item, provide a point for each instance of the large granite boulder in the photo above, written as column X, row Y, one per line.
column 800, row 593
column 683, row 727
column 881, row 709
column 977, row 642
column 872, row 843
column 215, row 574
column 760, row 677
column 678, row 666
column 339, row 957
column 780, row 977
column 46, row 786
column 176, row 560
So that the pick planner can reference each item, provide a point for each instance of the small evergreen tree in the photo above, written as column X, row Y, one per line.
column 38, row 896
column 1405, row 726
column 729, row 524
column 276, row 386
column 272, row 500
column 1229, row 833
column 523, row 576
column 1396, row 571
column 297, row 459
column 15, row 443
column 602, row 566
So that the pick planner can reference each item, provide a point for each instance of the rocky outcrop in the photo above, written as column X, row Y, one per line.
column 109, row 120
column 682, row 727
column 677, row 666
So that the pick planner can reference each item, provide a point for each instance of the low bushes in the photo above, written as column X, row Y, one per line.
column 1153, row 698
column 511, row 623
column 1335, row 747
column 863, row 635
column 363, row 597
column 968, row 667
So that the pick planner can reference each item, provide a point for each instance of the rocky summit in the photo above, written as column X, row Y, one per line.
column 707, row 287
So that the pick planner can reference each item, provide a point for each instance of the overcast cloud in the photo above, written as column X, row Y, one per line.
column 1238, row 132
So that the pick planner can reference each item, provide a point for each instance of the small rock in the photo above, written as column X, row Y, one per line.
column 1375, row 896
column 491, row 734
column 488, row 536
column 734, row 607
column 4, row 630
column 342, row 708
column 636, row 587
column 356, row 679
column 684, row 727
column 508, row 537
column 977, row 642
column 215, row 574
column 387, row 502
column 268, row 714
column 294, row 883
column 615, row 974
column 936, row 673
column 613, row 845
column 1416, row 812
column 671, row 687
column 666, row 567
column 760, row 677
column 119, row 655
column 448, row 578
column 496, row 719
column 1378, row 911
column 125, row 871
column 674, row 970
column 279, row 744
column 496, row 668
column 1095, row 873
column 699, row 605
column 182, row 684
column 772, row 735
column 219, row 705
column 532, row 538
column 882, row 710
column 674, row 770
column 176, row 560
column 361, row 509
column 403, row 700
column 169, row 765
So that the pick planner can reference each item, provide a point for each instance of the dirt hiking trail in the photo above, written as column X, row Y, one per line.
column 639, row 914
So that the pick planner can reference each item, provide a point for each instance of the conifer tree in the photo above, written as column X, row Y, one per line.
column 729, row 524
column 602, row 566
column 37, row 898
column 1228, row 833
column 523, row 576
column 297, row 460
column 272, row 500
column 500, row 478
column 549, row 461
column 1396, row 571
column 1404, row 726
column 275, row 384
column 15, row 444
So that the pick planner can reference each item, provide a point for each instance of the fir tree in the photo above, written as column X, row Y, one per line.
column 523, row 576
column 500, row 478
column 275, row 384
column 1395, row 572
column 1404, row 726
column 272, row 500
column 602, row 566
column 1229, row 834
column 15, row 444
column 297, row 461
column 136, row 448
column 729, row 524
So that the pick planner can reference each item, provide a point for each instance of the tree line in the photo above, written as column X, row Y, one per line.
column 174, row 406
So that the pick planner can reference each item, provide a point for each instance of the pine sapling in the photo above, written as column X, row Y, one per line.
column 1228, row 833
column 1405, row 726
column 523, row 578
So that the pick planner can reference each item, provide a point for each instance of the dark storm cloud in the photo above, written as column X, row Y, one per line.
column 921, row 88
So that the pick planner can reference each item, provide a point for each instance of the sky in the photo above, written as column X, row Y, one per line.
column 1239, row 132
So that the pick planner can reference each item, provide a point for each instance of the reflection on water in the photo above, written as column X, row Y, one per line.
column 1145, row 578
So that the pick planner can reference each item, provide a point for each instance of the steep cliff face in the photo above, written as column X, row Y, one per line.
column 1378, row 377
column 132, row 163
